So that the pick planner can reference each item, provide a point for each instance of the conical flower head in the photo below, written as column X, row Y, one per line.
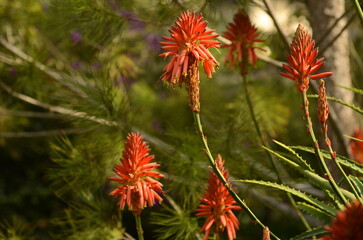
column 188, row 45
column 242, row 35
column 217, row 205
column 348, row 224
column 302, row 62
column 137, row 187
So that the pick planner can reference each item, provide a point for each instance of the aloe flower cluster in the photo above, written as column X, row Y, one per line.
column 302, row 62
column 188, row 46
column 137, row 186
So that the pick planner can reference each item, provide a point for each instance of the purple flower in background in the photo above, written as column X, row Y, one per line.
column 153, row 42
column 134, row 22
column 12, row 71
column 96, row 65
column 122, row 80
column 77, row 64
column 76, row 36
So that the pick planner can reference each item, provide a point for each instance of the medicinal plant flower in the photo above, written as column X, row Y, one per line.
column 217, row 205
column 137, row 188
column 243, row 35
column 188, row 45
column 302, row 62
column 347, row 224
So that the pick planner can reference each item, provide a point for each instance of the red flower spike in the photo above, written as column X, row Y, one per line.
column 243, row 35
column 357, row 146
column 217, row 205
column 302, row 62
column 188, row 44
column 137, row 189
column 347, row 224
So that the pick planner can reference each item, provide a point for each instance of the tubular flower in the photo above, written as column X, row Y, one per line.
column 137, row 189
column 347, row 224
column 302, row 62
column 323, row 107
column 357, row 146
column 242, row 35
column 217, row 205
column 188, row 45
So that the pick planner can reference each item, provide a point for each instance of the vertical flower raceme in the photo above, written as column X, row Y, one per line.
column 217, row 205
column 242, row 35
column 323, row 108
column 137, row 188
column 188, row 46
column 302, row 62
column 357, row 146
column 347, row 224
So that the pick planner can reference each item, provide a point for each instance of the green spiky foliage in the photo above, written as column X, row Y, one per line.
column 77, row 76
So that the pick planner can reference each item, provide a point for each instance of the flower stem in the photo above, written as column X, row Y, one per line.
column 139, row 230
column 264, row 143
column 334, row 158
column 318, row 152
column 359, row 10
column 240, row 202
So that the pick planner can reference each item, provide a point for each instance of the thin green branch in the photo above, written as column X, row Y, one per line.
column 327, row 32
column 56, row 109
column 334, row 158
column 239, row 201
column 359, row 10
column 46, row 133
column 277, row 25
column 337, row 36
column 318, row 153
column 269, row 155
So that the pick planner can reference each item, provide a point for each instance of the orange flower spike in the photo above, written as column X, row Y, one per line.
column 137, row 188
column 302, row 62
column 243, row 35
column 188, row 44
column 347, row 223
column 323, row 107
column 217, row 205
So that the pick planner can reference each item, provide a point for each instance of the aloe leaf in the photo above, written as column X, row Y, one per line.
column 314, row 178
column 352, row 165
column 302, row 161
column 309, row 234
column 315, row 202
column 358, row 184
column 314, row 211
column 352, row 106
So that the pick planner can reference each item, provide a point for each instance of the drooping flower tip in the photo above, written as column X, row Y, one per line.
column 217, row 205
column 302, row 62
column 243, row 35
column 323, row 107
column 357, row 146
column 347, row 224
column 188, row 45
column 138, row 188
